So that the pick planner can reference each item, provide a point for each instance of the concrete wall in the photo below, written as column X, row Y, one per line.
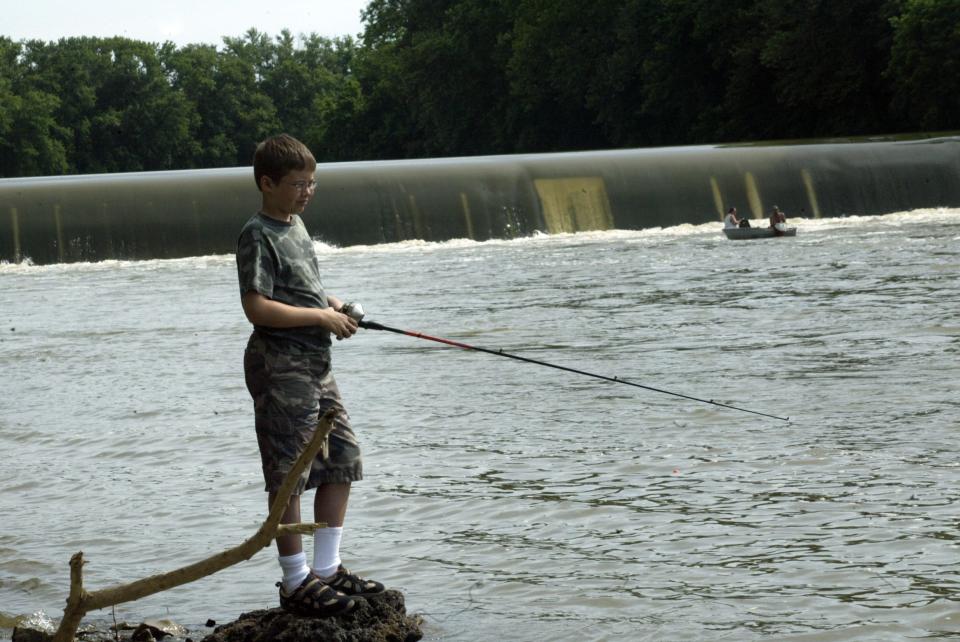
column 197, row 212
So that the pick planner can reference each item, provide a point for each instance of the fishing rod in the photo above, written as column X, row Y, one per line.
column 354, row 310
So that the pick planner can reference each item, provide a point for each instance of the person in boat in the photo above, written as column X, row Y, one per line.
column 287, row 371
column 778, row 220
column 731, row 220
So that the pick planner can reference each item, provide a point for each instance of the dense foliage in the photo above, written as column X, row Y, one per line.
column 466, row 77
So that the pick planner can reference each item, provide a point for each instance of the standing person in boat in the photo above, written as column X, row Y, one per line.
column 778, row 220
column 287, row 370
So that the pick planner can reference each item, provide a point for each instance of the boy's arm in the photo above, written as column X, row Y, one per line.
column 334, row 302
column 273, row 314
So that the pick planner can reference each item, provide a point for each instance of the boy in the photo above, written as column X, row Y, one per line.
column 287, row 371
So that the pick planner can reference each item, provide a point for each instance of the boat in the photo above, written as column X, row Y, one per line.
column 746, row 233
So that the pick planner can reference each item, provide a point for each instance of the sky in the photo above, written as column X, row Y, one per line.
column 180, row 21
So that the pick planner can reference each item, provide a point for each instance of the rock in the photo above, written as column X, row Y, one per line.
column 152, row 630
column 21, row 634
column 37, row 627
column 146, row 631
column 375, row 619
column 144, row 634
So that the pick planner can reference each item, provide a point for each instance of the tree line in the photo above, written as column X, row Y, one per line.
column 431, row 78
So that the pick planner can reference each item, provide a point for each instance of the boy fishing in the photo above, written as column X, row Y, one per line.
column 287, row 369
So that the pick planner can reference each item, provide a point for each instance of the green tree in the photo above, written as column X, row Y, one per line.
column 141, row 122
column 434, row 71
column 30, row 138
column 117, row 110
column 229, row 113
column 559, row 51
column 298, row 80
column 456, row 80
column 29, row 134
column 684, row 71
column 382, row 125
column 621, row 72
column 826, row 60
column 925, row 64
column 333, row 133
column 464, row 77
column 245, row 114
column 70, row 70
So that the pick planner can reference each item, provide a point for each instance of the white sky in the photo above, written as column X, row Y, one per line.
column 180, row 21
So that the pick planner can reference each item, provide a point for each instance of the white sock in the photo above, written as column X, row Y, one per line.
column 295, row 570
column 326, row 550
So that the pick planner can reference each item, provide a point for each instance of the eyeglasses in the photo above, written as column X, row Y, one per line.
column 303, row 186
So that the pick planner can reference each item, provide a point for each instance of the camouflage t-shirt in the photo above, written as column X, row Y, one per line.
column 277, row 260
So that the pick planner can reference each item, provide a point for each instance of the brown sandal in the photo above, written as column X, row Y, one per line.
column 315, row 598
column 349, row 584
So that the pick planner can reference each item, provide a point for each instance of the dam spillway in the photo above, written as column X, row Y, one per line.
column 173, row 214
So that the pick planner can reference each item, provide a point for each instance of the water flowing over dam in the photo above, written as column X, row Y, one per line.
column 199, row 212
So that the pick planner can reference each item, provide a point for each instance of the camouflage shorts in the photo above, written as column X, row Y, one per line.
column 290, row 393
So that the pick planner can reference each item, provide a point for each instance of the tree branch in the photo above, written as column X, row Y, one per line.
column 80, row 602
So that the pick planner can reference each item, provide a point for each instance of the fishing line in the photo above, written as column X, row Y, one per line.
column 354, row 310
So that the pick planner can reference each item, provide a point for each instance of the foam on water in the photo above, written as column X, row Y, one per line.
column 940, row 215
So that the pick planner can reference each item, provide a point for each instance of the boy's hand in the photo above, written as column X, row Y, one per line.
column 342, row 326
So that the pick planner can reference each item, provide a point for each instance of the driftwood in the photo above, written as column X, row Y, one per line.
column 80, row 602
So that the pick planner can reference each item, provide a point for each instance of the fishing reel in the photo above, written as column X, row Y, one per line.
column 352, row 310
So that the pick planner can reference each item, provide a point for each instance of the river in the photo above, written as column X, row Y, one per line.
column 505, row 499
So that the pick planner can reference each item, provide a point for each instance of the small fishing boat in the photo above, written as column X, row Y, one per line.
column 746, row 233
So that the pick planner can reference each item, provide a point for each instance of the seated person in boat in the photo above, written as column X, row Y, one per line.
column 778, row 220
column 731, row 220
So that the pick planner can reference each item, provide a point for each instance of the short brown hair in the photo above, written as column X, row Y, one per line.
column 279, row 155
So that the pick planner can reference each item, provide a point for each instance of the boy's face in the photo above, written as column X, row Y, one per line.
column 290, row 195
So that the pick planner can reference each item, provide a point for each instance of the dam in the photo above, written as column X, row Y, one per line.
column 171, row 214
